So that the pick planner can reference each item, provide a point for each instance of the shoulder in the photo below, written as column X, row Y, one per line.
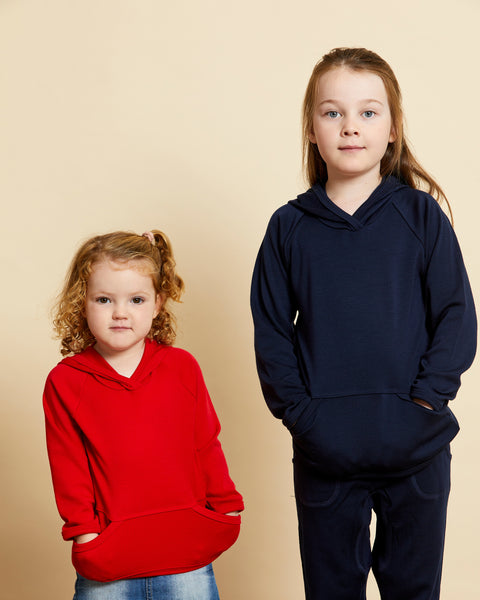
column 63, row 373
column 418, row 205
column 422, row 213
column 182, row 363
column 64, row 384
column 286, row 214
column 179, row 356
column 185, row 368
column 283, row 222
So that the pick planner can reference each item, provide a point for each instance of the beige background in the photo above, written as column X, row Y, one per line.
column 185, row 116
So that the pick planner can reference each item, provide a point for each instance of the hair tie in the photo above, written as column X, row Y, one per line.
column 149, row 235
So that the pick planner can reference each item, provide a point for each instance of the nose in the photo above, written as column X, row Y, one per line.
column 349, row 128
column 119, row 312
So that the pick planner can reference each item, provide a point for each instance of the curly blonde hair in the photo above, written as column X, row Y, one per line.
column 151, row 251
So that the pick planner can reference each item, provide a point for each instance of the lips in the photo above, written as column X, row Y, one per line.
column 352, row 148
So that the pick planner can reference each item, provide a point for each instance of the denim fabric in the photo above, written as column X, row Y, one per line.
column 194, row 585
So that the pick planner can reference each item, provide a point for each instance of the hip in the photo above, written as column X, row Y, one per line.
column 198, row 584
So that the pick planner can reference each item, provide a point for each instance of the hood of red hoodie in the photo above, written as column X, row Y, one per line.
column 90, row 361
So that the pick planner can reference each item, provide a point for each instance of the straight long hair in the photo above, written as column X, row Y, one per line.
column 398, row 159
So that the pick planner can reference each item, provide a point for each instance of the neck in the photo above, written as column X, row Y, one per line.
column 126, row 362
column 350, row 194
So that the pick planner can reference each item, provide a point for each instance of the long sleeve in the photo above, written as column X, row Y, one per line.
column 451, row 316
column 274, row 310
column 221, row 494
column 69, row 464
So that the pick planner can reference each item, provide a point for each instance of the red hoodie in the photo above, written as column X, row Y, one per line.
column 137, row 460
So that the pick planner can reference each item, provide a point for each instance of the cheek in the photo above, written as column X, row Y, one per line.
column 392, row 135
column 91, row 321
column 318, row 130
column 326, row 134
column 383, row 135
column 93, row 316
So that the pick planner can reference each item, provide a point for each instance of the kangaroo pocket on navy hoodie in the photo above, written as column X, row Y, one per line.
column 368, row 435
column 179, row 540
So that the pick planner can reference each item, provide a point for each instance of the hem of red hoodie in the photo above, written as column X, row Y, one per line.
column 180, row 541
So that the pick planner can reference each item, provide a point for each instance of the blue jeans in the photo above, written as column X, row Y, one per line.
column 194, row 585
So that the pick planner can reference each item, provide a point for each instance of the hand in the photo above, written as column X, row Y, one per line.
column 85, row 537
column 423, row 403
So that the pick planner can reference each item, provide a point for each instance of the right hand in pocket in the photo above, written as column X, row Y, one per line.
column 85, row 537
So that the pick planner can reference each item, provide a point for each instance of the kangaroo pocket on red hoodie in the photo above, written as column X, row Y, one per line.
column 373, row 434
column 162, row 543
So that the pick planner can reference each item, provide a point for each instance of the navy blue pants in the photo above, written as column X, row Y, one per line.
column 334, row 519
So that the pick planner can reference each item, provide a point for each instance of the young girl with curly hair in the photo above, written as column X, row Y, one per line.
column 364, row 322
column 139, row 475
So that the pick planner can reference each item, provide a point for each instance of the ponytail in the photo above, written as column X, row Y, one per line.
column 170, row 283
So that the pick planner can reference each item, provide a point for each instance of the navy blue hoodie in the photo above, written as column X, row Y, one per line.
column 357, row 315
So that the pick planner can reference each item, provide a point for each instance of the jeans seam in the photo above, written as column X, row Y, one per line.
column 148, row 589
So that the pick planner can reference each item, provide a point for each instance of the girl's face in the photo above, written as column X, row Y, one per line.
column 352, row 125
column 120, row 306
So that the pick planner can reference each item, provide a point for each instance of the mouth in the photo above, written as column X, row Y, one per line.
column 118, row 328
column 351, row 148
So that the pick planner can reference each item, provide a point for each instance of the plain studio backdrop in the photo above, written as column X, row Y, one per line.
column 185, row 116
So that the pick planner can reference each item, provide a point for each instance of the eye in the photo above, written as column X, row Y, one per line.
column 138, row 300
column 102, row 300
column 333, row 114
column 368, row 114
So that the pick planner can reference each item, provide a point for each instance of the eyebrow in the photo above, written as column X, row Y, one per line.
column 104, row 293
column 366, row 101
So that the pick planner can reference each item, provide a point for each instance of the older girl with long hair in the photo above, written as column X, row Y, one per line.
column 364, row 322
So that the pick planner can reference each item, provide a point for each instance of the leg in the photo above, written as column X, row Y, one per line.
column 194, row 585
column 333, row 519
column 125, row 589
column 411, row 518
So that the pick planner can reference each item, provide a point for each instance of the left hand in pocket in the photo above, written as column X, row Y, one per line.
column 423, row 403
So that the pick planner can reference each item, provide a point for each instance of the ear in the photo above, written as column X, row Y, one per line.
column 158, row 304
column 312, row 138
column 393, row 135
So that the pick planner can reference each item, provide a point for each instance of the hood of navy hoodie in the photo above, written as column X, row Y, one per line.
column 90, row 361
column 316, row 202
